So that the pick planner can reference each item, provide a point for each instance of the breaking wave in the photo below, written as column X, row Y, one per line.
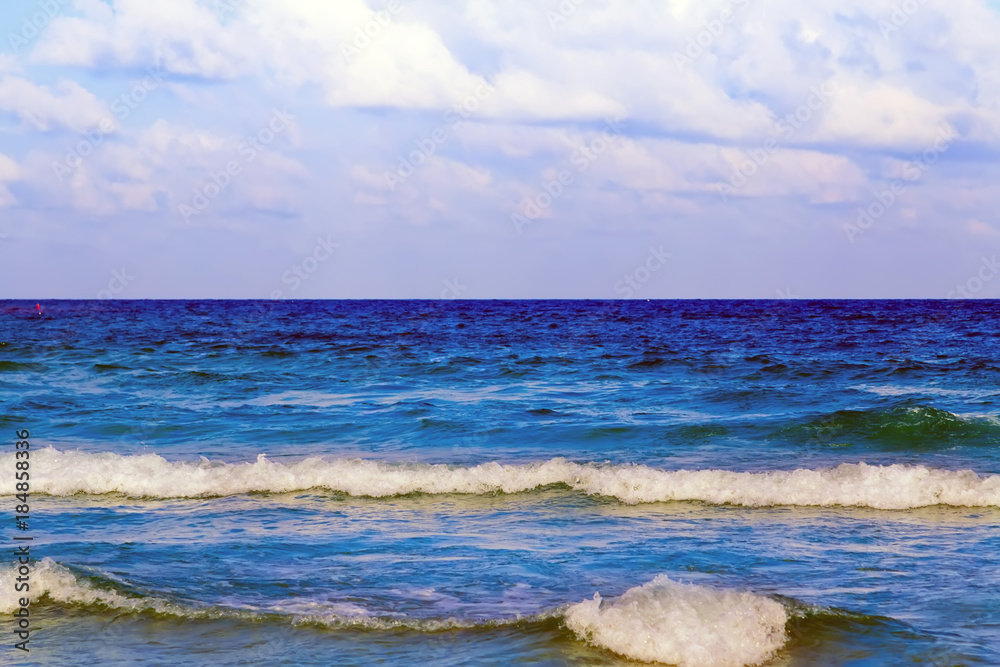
column 661, row 621
column 683, row 624
column 892, row 487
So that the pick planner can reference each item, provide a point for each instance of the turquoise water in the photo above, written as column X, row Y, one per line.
column 415, row 482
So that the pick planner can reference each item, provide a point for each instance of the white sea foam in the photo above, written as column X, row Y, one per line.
column 56, row 582
column 661, row 621
column 60, row 585
column 48, row 577
column 925, row 390
column 683, row 624
column 860, row 485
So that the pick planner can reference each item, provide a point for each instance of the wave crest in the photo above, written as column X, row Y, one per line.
column 683, row 624
column 660, row 621
column 892, row 487
column 910, row 426
column 62, row 586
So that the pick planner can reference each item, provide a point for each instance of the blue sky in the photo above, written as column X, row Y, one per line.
column 498, row 149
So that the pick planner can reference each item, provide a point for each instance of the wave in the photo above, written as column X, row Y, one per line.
column 19, row 367
column 60, row 585
column 683, row 624
column 892, row 487
column 660, row 621
column 908, row 425
column 56, row 581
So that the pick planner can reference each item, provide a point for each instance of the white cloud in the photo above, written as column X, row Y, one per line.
column 157, row 168
column 67, row 105
column 9, row 64
column 687, row 128
column 9, row 171
column 977, row 227
column 878, row 114
column 182, row 36
column 605, row 58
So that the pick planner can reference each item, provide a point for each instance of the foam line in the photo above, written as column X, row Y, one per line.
column 661, row 621
column 892, row 487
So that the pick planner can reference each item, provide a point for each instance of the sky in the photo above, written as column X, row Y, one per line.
column 489, row 149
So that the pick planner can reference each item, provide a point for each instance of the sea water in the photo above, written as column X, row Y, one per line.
column 699, row 483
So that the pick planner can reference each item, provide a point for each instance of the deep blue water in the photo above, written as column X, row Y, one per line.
column 844, row 501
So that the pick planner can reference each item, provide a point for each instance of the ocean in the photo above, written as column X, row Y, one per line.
column 696, row 483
